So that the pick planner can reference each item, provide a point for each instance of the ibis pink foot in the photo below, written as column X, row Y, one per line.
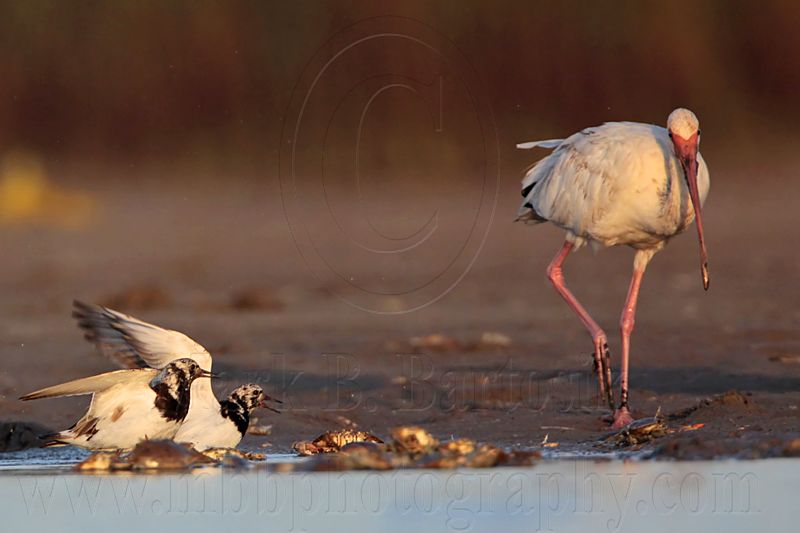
column 602, row 367
column 622, row 417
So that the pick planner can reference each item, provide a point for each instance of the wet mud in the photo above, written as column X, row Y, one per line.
column 497, row 359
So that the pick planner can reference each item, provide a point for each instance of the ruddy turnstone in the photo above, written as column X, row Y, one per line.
column 133, row 343
column 211, row 431
column 127, row 406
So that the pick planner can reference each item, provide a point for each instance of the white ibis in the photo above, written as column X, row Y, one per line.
column 619, row 183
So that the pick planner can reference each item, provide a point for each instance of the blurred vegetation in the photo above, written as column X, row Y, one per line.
column 27, row 195
column 155, row 79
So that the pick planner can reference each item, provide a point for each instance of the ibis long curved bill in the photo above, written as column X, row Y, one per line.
column 686, row 150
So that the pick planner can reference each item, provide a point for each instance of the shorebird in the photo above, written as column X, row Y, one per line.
column 127, row 406
column 619, row 183
column 133, row 343
column 230, row 418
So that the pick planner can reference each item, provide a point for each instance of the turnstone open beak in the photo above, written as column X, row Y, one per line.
column 207, row 374
column 271, row 399
column 263, row 403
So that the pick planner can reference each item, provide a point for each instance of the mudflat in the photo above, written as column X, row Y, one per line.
column 426, row 306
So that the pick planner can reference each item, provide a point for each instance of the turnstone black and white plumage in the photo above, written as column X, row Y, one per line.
column 227, row 431
column 127, row 406
column 133, row 343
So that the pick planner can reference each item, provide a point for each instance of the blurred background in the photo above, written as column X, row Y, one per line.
column 242, row 171
column 210, row 81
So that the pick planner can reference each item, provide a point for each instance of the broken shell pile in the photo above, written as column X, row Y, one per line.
column 411, row 447
column 347, row 449
column 641, row 431
column 164, row 455
column 147, row 455
column 333, row 441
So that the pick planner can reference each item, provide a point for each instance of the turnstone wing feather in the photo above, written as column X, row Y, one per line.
column 127, row 405
column 133, row 343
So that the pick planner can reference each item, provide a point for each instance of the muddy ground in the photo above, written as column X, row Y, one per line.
column 217, row 259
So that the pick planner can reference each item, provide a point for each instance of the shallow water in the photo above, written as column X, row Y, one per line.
column 36, row 490
column 64, row 458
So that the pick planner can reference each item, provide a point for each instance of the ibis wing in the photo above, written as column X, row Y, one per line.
column 549, row 143
column 575, row 187
column 133, row 343
column 530, row 178
column 91, row 384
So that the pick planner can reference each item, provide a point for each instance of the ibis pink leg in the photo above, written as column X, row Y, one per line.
column 601, row 356
column 622, row 416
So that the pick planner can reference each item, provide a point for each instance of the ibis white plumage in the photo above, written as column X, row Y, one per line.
column 622, row 183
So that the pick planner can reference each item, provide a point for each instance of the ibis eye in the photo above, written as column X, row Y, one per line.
column 670, row 135
column 698, row 132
